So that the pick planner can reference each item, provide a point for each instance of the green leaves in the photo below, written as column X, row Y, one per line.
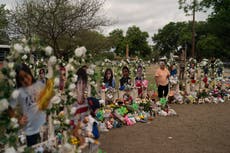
column 135, row 39
column 57, row 22
column 171, row 36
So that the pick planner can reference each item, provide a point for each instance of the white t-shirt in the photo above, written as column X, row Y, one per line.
column 27, row 100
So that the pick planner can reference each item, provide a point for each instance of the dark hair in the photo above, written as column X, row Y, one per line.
column 125, row 68
column 62, row 68
column 139, row 66
column 41, row 70
column 25, row 68
column 82, row 75
column 85, row 67
column 105, row 76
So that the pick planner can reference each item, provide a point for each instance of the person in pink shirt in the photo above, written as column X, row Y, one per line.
column 161, row 78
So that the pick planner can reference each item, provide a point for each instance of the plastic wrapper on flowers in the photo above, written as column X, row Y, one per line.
column 173, row 80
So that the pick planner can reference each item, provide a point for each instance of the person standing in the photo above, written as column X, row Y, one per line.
column 161, row 78
column 32, row 118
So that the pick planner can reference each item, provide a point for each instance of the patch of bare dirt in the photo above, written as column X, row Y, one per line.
column 197, row 129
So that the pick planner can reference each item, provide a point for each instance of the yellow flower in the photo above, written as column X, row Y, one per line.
column 74, row 141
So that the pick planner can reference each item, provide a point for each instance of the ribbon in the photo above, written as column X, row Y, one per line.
column 122, row 111
column 135, row 106
column 46, row 95
column 163, row 101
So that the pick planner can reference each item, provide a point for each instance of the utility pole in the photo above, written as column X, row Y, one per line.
column 193, row 28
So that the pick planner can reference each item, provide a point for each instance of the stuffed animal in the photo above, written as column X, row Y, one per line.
column 118, row 116
column 77, row 133
column 201, row 101
column 109, row 125
column 162, row 113
column 116, row 124
column 67, row 148
column 215, row 100
column 132, row 118
column 207, row 100
column 128, row 121
column 220, row 99
column 178, row 97
column 171, row 112
column 136, row 116
column 91, row 127
column 102, row 127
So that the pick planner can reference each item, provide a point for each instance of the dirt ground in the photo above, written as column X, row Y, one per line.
column 201, row 128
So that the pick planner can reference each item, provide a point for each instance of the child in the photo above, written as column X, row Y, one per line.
column 125, row 80
column 62, row 78
column 42, row 77
column 139, row 73
column 29, row 89
column 83, row 91
column 108, row 78
column 139, row 80
column 173, row 70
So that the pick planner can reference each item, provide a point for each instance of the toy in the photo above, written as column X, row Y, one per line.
column 128, row 121
column 171, row 112
column 118, row 116
column 201, row 101
column 77, row 133
column 90, row 127
column 109, row 125
column 102, row 127
column 127, row 99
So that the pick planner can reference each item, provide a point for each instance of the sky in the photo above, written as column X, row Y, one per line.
column 149, row 15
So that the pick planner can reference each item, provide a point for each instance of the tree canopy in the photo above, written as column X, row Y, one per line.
column 135, row 39
column 171, row 36
column 56, row 20
column 219, row 23
column 117, row 39
column 4, row 39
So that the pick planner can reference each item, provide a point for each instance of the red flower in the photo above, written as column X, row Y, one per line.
column 193, row 81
